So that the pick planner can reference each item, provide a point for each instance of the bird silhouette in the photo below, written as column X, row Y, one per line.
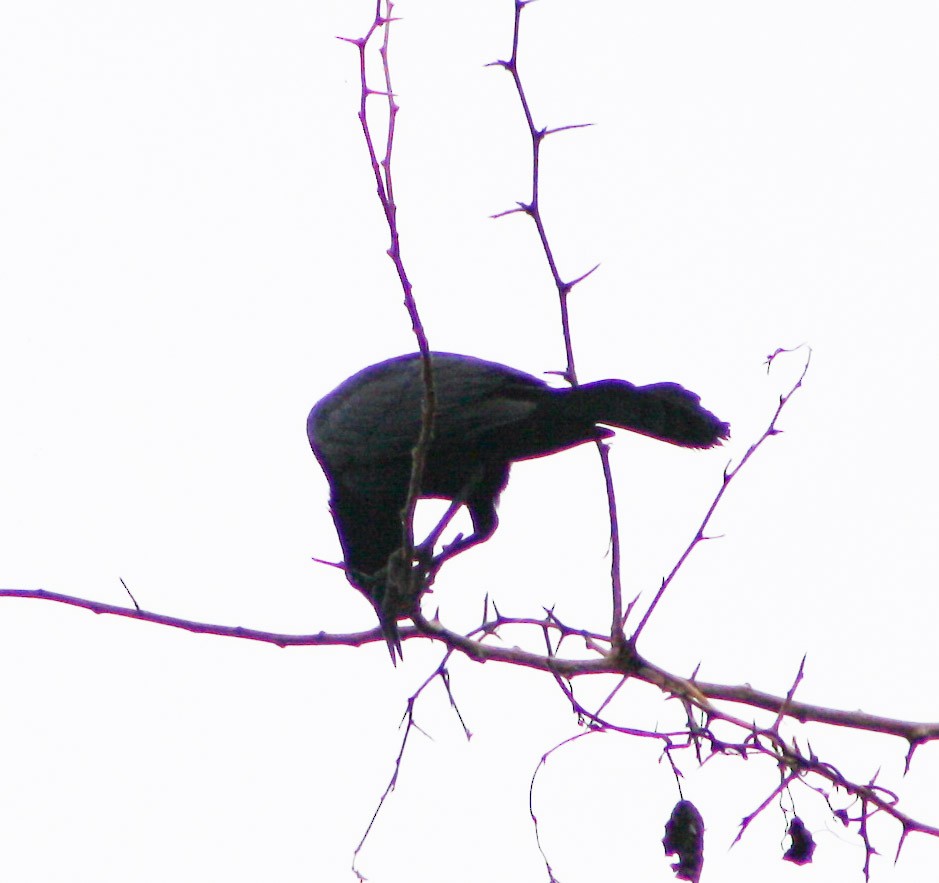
column 487, row 417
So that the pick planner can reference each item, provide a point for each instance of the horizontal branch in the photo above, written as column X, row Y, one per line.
column 350, row 639
column 912, row 731
column 631, row 664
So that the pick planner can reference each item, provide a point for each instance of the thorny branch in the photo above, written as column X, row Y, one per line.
column 729, row 475
column 409, row 723
column 533, row 209
column 400, row 591
column 601, row 662
column 703, row 702
column 693, row 693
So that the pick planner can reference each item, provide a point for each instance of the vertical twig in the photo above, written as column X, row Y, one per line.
column 532, row 208
column 382, row 170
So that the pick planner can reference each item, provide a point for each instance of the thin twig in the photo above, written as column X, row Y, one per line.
column 729, row 476
column 409, row 723
column 533, row 209
column 531, row 799
column 401, row 576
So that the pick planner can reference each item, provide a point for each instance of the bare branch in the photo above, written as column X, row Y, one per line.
column 729, row 475
column 533, row 207
column 409, row 723
column 531, row 799
column 404, row 584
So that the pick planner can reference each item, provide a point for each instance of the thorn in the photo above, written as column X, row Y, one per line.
column 355, row 41
column 545, row 132
column 511, row 211
column 579, row 279
column 132, row 598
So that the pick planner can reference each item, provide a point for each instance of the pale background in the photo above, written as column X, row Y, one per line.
column 192, row 254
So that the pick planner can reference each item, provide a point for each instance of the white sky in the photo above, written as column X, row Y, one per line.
column 193, row 254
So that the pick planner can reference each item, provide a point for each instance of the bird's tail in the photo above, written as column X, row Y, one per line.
column 665, row 411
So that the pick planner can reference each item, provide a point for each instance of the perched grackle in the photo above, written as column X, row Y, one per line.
column 487, row 416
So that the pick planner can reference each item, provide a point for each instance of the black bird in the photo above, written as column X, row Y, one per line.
column 487, row 416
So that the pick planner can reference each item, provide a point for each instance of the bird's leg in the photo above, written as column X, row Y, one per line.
column 464, row 498
column 425, row 550
column 479, row 495
column 482, row 511
column 406, row 581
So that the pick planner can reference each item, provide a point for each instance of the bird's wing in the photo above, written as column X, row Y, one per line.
column 476, row 398
column 376, row 414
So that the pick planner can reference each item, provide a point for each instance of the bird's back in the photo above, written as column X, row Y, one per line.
column 373, row 419
column 486, row 417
